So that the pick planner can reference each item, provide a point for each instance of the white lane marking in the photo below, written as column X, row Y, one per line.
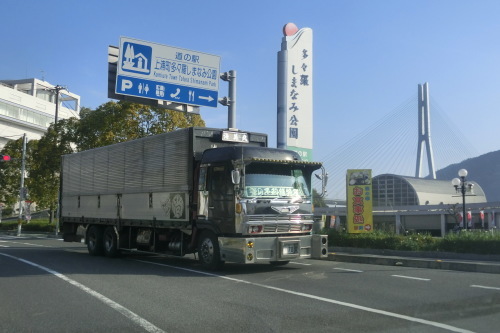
column 323, row 299
column 484, row 287
column 299, row 263
column 348, row 270
column 411, row 277
column 149, row 327
column 4, row 246
column 31, row 244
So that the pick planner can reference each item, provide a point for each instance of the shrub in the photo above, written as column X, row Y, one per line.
column 479, row 242
column 41, row 225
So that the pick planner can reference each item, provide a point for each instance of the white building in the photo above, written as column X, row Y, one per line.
column 28, row 106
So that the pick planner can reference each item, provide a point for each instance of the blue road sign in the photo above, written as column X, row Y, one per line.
column 132, row 86
column 162, row 72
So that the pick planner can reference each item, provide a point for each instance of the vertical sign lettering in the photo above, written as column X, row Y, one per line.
column 359, row 201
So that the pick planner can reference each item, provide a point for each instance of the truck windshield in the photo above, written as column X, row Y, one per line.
column 275, row 180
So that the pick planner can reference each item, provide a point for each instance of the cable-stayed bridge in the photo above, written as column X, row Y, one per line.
column 391, row 146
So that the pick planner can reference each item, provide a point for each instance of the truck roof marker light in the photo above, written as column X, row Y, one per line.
column 269, row 160
column 232, row 136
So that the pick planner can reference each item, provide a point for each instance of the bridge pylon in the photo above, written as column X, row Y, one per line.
column 424, row 132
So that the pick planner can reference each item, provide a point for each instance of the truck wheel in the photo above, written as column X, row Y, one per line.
column 208, row 251
column 110, row 243
column 95, row 244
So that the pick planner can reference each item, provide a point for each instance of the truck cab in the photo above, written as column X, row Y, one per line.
column 259, row 196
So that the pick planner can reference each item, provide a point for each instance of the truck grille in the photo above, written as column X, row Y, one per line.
column 281, row 224
column 271, row 218
column 281, row 227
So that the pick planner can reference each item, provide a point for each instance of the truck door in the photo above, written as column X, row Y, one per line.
column 221, row 198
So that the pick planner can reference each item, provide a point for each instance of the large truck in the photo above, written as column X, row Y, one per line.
column 220, row 194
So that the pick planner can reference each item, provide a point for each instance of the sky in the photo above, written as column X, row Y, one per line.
column 369, row 55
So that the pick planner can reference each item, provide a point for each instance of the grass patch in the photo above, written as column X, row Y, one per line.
column 477, row 241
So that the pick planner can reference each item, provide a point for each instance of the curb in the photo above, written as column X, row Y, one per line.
column 456, row 264
column 31, row 234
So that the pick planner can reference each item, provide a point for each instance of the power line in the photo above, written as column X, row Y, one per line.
column 390, row 146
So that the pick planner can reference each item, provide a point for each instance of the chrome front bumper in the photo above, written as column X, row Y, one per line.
column 265, row 249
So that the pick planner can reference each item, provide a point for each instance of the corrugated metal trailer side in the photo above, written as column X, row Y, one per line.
column 134, row 180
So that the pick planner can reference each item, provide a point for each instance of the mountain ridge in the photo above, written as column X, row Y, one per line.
column 483, row 169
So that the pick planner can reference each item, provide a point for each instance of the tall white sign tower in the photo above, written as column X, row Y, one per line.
column 295, row 98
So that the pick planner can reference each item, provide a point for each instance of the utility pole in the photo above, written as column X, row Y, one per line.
column 57, row 89
column 21, row 189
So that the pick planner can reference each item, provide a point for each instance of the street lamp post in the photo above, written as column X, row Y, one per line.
column 462, row 186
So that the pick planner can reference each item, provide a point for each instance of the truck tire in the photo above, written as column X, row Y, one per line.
column 209, row 251
column 110, row 243
column 95, row 243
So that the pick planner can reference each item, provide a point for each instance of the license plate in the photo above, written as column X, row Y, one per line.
column 290, row 248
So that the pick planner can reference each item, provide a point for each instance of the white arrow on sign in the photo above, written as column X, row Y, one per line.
column 209, row 98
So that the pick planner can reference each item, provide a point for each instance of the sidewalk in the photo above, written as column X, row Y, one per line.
column 434, row 260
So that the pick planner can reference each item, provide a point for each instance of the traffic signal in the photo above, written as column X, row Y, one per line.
column 4, row 158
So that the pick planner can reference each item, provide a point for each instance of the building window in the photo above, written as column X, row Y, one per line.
column 25, row 115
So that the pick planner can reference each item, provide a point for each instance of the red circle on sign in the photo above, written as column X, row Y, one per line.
column 368, row 227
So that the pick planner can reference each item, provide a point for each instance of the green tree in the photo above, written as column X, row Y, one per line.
column 45, row 164
column 318, row 200
column 115, row 122
column 10, row 172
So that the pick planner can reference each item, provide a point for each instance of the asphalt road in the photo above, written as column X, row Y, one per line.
column 50, row 286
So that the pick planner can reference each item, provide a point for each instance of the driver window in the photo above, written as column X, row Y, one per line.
column 220, row 181
column 202, row 179
column 217, row 179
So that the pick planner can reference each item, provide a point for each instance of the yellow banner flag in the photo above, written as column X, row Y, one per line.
column 359, row 201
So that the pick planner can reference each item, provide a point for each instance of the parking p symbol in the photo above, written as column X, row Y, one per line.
column 126, row 84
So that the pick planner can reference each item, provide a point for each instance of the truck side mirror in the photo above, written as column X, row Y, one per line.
column 324, row 180
column 235, row 176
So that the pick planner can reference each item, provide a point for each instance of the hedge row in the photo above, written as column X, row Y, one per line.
column 479, row 242
column 41, row 225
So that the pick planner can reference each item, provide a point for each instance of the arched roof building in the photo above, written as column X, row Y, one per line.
column 393, row 190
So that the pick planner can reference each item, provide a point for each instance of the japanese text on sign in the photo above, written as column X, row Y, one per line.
column 299, row 79
column 359, row 201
